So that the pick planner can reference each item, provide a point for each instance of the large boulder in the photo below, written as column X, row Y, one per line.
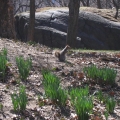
column 95, row 31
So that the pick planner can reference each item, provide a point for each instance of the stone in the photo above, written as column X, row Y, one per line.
column 94, row 31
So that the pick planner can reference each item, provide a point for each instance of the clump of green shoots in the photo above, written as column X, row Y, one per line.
column 110, row 104
column 108, row 75
column 52, row 88
column 101, row 75
column 62, row 96
column 31, row 43
column 3, row 62
column 41, row 101
column 78, row 92
column 4, row 52
column 100, row 96
column 82, row 102
column 106, row 115
column 24, row 67
column 51, row 85
column 1, row 107
column 91, row 71
column 19, row 100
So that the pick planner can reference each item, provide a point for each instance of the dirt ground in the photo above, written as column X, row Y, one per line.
column 43, row 57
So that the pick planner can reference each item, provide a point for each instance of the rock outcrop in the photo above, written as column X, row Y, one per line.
column 95, row 31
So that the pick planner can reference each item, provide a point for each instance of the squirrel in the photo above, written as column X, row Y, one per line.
column 61, row 55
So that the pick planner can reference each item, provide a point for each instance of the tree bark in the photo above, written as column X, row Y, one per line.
column 7, row 26
column 117, row 5
column 88, row 3
column 99, row 4
column 31, row 27
column 74, row 6
column 83, row 2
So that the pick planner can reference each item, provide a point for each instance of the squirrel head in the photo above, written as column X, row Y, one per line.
column 67, row 46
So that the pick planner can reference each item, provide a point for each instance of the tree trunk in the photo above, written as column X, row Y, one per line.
column 7, row 26
column 117, row 5
column 99, row 4
column 88, row 3
column 83, row 2
column 31, row 27
column 116, row 14
column 74, row 6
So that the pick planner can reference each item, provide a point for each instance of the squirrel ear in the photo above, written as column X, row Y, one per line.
column 68, row 46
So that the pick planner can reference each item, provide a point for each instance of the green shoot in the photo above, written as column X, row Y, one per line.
column 51, row 85
column 106, row 115
column 19, row 101
column 110, row 104
column 1, row 107
column 52, row 88
column 24, row 67
column 102, row 75
column 78, row 93
column 82, row 102
column 62, row 96
column 100, row 96
column 3, row 63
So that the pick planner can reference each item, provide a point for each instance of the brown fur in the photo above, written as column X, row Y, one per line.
column 61, row 55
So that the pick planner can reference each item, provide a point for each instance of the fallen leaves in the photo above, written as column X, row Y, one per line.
column 70, row 73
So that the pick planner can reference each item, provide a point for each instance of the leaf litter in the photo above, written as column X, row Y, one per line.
column 70, row 73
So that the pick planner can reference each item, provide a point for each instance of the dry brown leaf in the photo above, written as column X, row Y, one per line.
column 111, row 93
column 117, row 55
column 80, row 76
column 97, row 118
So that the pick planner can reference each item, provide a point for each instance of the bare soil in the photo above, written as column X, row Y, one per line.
column 43, row 57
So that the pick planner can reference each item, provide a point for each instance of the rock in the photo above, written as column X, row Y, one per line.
column 94, row 31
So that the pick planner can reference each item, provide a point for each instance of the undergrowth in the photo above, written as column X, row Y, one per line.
column 3, row 63
column 24, row 67
column 19, row 100
column 101, row 75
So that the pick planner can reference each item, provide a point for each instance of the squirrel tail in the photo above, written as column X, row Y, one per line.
column 57, row 54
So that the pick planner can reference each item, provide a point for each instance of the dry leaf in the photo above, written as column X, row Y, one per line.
column 97, row 118
column 80, row 76
column 111, row 93
column 117, row 55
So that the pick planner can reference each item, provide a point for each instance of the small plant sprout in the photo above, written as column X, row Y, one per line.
column 100, row 96
column 108, row 75
column 91, row 71
column 4, row 52
column 110, row 104
column 106, row 115
column 3, row 63
column 51, row 85
column 19, row 100
column 52, row 88
column 79, row 92
column 15, row 101
column 62, row 96
column 1, row 107
column 40, row 100
column 83, row 106
column 82, row 102
column 32, row 43
column 24, row 67
column 101, row 75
